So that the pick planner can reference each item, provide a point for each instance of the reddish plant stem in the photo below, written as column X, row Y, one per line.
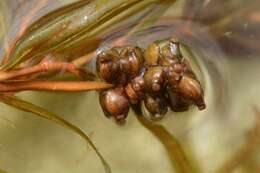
column 68, row 86
column 46, row 66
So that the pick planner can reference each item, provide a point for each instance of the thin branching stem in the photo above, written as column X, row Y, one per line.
column 68, row 86
column 46, row 66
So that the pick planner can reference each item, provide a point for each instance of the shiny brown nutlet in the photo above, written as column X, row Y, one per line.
column 131, row 59
column 133, row 96
column 114, row 102
column 170, row 52
column 108, row 66
column 156, row 106
column 154, row 79
column 191, row 89
column 152, row 54
column 176, row 102
column 138, row 83
column 135, row 89
column 173, row 74
column 175, row 71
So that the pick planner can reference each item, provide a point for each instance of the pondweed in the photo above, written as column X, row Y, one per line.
column 55, row 54
column 71, row 26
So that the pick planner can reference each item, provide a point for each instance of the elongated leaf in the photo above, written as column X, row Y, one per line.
column 102, row 26
column 174, row 149
column 171, row 144
column 2, row 27
column 156, row 13
column 84, row 20
column 58, row 26
column 36, row 110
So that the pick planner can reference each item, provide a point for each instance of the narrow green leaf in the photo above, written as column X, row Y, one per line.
column 36, row 110
column 49, row 35
column 174, row 149
column 3, row 22
column 73, row 27
column 156, row 13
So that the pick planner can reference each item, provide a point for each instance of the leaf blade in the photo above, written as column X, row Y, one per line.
column 174, row 149
column 53, row 36
column 38, row 111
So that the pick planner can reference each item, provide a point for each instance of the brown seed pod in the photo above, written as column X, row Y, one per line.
column 173, row 74
column 152, row 54
column 138, row 83
column 114, row 102
column 175, row 71
column 156, row 106
column 170, row 52
column 135, row 89
column 176, row 102
column 131, row 59
column 190, row 89
column 154, row 79
column 163, row 52
column 108, row 66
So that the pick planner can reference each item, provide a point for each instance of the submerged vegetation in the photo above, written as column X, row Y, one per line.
column 157, row 77
column 72, row 26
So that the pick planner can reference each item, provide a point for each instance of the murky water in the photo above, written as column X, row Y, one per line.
column 226, row 60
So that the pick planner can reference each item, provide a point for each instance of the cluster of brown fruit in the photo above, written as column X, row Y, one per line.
column 158, row 75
